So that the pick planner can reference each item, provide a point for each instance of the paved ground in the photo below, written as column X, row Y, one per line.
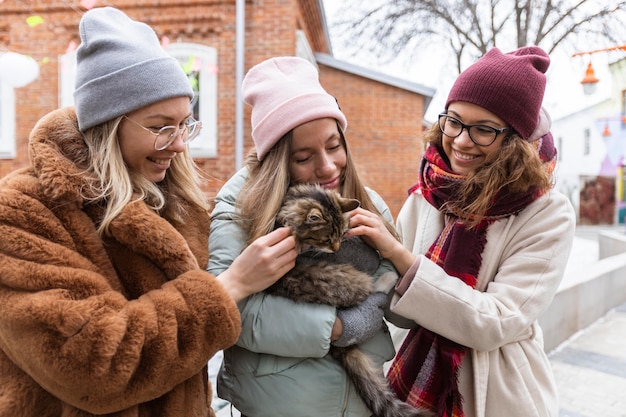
column 590, row 367
column 590, row 370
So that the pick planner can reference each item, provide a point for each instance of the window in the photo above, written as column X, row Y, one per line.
column 67, row 76
column 586, row 142
column 303, row 49
column 7, row 121
column 200, row 64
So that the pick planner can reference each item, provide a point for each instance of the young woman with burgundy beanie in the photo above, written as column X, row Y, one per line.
column 485, row 242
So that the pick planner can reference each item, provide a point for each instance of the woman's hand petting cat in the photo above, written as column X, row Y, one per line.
column 372, row 230
column 261, row 264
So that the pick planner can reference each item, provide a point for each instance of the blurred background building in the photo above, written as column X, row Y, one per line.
column 216, row 42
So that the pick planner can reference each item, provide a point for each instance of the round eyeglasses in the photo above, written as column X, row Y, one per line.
column 166, row 135
column 481, row 135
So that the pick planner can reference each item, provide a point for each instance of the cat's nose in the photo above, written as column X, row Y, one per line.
column 335, row 246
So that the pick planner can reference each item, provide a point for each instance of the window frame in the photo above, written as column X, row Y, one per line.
column 205, row 145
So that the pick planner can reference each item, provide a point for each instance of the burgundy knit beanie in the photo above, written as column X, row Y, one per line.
column 511, row 86
column 285, row 92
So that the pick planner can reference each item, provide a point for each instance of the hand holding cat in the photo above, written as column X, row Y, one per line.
column 260, row 264
column 370, row 227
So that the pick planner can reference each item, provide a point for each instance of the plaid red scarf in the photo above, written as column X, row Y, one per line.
column 424, row 373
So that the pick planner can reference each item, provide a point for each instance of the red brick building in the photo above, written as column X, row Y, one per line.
column 384, row 113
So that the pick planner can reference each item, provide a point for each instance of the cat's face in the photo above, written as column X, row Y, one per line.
column 316, row 216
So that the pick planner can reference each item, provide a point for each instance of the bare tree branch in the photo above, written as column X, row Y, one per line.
column 470, row 27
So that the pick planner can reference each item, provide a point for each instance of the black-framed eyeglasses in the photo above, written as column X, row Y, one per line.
column 481, row 135
column 166, row 135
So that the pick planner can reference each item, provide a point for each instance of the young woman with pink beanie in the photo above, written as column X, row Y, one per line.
column 485, row 242
column 280, row 366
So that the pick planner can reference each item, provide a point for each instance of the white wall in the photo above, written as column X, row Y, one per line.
column 581, row 151
column 597, row 155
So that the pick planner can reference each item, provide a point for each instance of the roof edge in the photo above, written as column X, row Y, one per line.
column 330, row 61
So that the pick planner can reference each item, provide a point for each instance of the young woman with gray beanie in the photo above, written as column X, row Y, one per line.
column 485, row 244
column 106, row 306
column 281, row 366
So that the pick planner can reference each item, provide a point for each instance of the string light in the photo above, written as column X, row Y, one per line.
column 590, row 80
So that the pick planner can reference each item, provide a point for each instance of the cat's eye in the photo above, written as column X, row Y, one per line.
column 314, row 217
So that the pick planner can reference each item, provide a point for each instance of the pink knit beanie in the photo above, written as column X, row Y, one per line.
column 285, row 92
column 511, row 86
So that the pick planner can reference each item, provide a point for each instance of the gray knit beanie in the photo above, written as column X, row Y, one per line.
column 121, row 67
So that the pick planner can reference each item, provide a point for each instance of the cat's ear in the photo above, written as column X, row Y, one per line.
column 349, row 204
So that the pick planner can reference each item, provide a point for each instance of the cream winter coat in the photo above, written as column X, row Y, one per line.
column 523, row 263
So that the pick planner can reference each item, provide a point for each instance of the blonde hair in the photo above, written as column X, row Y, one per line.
column 516, row 167
column 115, row 185
column 268, row 182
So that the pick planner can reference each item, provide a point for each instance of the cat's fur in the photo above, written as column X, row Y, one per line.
column 325, row 275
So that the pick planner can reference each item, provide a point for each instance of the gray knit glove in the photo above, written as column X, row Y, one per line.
column 361, row 322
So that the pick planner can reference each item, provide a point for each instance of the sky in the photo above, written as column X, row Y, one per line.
column 564, row 93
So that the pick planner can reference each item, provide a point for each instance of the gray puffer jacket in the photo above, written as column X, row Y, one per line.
column 280, row 366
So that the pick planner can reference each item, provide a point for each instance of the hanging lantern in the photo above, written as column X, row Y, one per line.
column 589, row 81
column 17, row 70
column 606, row 132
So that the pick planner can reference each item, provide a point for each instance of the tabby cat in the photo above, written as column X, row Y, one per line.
column 325, row 274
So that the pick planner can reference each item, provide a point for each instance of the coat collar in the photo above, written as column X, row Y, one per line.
column 59, row 156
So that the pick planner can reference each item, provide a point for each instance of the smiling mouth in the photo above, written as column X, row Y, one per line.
column 464, row 156
column 160, row 161
column 329, row 183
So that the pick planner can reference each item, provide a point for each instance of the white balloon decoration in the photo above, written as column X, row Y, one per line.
column 17, row 70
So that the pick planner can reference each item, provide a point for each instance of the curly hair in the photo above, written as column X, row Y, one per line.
column 515, row 168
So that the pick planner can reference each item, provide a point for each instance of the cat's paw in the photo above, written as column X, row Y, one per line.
column 386, row 282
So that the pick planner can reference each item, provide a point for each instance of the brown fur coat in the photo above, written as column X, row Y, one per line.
column 122, row 327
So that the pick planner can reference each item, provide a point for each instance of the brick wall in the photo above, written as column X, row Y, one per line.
column 384, row 130
column 384, row 121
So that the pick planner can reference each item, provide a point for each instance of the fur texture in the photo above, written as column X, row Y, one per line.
column 330, row 272
column 122, row 327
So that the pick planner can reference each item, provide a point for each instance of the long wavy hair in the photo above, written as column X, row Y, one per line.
column 516, row 168
column 115, row 185
column 268, row 182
